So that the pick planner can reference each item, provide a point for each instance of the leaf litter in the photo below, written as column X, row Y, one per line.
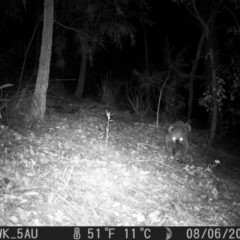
column 63, row 172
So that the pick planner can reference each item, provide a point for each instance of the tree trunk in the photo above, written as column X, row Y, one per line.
column 81, row 79
column 38, row 105
column 192, row 73
column 211, row 43
column 38, row 12
column 214, row 94
column 147, row 85
column 146, row 49
column 208, row 29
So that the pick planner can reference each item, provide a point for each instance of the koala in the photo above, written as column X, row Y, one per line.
column 177, row 138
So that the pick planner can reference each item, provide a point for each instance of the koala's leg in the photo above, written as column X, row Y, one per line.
column 168, row 141
column 184, row 151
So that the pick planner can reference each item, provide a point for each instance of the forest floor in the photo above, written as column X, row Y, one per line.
column 70, row 170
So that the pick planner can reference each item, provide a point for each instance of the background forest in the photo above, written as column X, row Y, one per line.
column 185, row 50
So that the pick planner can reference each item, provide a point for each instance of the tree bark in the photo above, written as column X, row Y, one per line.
column 214, row 94
column 81, row 79
column 146, row 49
column 38, row 14
column 147, row 84
column 192, row 73
column 38, row 105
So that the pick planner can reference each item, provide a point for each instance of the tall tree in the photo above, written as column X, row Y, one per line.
column 37, row 12
column 147, row 69
column 192, row 73
column 38, row 105
column 208, row 29
column 207, row 19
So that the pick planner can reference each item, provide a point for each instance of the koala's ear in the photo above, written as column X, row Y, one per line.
column 170, row 128
column 189, row 129
column 185, row 131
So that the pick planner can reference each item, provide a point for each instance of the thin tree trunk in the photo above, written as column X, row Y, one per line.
column 214, row 94
column 147, row 86
column 211, row 21
column 146, row 49
column 38, row 10
column 81, row 79
column 192, row 73
column 38, row 105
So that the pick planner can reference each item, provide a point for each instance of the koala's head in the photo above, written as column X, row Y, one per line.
column 177, row 134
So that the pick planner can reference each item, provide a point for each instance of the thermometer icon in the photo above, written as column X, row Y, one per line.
column 76, row 234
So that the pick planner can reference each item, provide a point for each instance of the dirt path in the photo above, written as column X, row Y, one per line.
column 73, row 169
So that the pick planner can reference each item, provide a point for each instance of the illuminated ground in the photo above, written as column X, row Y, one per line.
column 69, row 170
